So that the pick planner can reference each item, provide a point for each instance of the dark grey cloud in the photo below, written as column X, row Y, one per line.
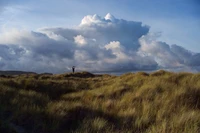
column 194, row 60
column 97, row 44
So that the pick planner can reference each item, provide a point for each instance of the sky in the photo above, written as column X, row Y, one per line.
column 106, row 35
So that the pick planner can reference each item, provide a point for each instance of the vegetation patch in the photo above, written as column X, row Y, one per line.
column 83, row 102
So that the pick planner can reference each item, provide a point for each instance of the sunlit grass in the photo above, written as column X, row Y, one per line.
column 82, row 102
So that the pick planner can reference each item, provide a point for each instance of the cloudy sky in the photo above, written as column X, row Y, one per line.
column 99, row 35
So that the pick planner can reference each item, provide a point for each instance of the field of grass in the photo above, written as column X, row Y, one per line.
column 159, row 102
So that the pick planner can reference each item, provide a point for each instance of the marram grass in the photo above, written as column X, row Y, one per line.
column 159, row 102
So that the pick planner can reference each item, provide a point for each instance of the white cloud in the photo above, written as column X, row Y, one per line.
column 117, row 50
column 97, row 44
column 115, row 45
column 160, row 51
column 80, row 40
column 110, row 17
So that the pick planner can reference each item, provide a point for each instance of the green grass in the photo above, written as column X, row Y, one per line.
column 159, row 102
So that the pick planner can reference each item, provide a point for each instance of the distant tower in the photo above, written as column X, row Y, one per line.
column 73, row 69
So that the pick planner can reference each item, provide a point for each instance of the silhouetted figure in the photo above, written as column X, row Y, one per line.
column 73, row 69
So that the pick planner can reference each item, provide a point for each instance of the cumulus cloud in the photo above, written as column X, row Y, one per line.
column 80, row 40
column 97, row 44
column 160, row 51
column 172, row 57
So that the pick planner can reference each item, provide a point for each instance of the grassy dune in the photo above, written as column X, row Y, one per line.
column 160, row 102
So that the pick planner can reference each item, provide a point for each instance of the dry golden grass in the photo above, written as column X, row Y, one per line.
column 159, row 102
